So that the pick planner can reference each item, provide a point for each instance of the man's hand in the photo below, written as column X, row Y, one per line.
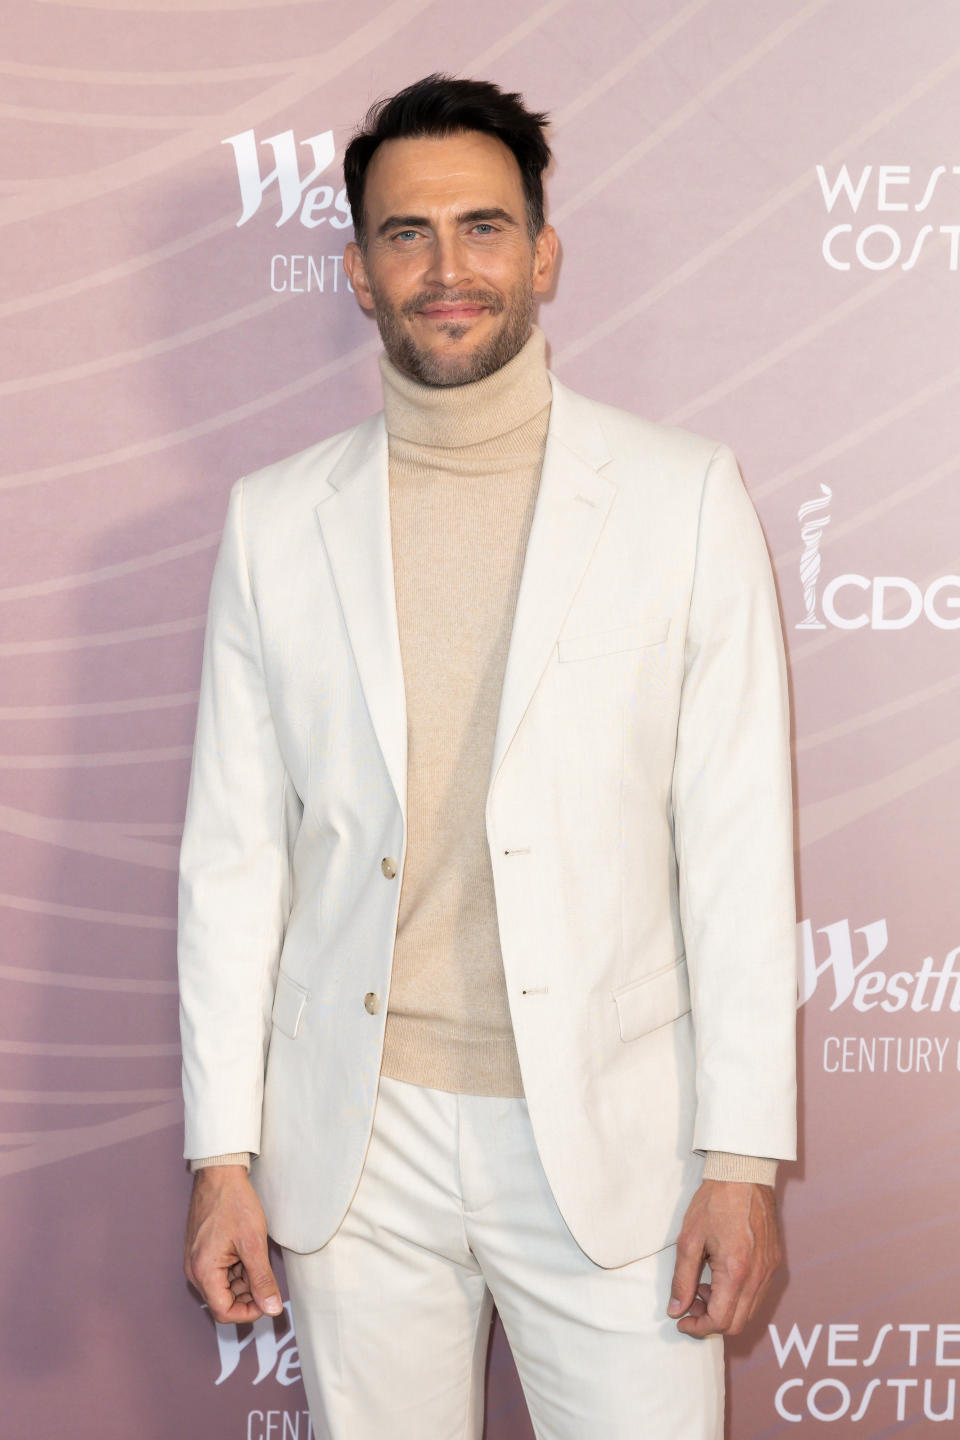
column 732, row 1225
column 225, row 1251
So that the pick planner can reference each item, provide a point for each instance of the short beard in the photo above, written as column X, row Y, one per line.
column 431, row 369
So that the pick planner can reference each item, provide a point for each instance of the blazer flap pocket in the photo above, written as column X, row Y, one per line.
column 646, row 1004
column 618, row 637
column 288, row 1005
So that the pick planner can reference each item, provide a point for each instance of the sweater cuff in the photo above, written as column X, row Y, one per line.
column 756, row 1170
column 242, row 1157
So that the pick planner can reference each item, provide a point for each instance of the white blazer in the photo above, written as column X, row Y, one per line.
column 639, row 819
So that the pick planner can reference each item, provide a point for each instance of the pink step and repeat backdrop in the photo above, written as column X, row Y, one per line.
column 759, row 207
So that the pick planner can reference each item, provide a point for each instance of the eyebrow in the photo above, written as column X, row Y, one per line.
column 466, row 217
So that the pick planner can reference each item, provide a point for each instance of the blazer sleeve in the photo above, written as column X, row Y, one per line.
column 234, row 881
column 733, row 829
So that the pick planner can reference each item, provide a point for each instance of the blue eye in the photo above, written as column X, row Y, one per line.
column 483, row 225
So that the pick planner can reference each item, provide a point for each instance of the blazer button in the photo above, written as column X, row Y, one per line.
column 371, row 1002
column 389, row 866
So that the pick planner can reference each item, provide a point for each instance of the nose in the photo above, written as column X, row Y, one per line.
column 449, row 262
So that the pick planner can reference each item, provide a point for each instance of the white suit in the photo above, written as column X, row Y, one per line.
column 638, row 815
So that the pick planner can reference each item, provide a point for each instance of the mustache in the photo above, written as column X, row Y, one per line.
column 493, row 302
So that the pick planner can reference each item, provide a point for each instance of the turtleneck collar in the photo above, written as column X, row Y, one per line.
column 460, row 415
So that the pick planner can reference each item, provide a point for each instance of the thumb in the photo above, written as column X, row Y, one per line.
column 260, row 1277
column 686, row 1277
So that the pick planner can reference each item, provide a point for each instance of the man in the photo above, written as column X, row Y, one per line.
column 487, row 914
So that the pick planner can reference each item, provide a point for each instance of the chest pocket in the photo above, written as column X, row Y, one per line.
column 635, row 636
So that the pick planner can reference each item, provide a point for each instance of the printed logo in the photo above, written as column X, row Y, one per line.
column 273, row 1350
column 860, row 981
column 812, row 525
column 267, row 1351
column 853, row 602
column 312, row 204
column 888, row 189
column 844, row 968
column 858, row 1353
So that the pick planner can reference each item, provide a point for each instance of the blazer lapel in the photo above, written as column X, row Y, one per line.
column 573, row 502
column 354, row 518
column 572, row 505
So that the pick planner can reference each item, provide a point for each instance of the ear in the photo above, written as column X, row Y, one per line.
column 357, row 274
column 544, row 259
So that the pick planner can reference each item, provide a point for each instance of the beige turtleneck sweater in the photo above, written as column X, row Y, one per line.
column 464, row 471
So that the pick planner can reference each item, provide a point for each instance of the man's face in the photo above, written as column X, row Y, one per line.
column 449, row 270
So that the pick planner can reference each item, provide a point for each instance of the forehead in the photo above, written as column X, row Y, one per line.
column 437, row 172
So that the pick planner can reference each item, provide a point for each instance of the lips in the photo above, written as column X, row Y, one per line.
column 452, row 312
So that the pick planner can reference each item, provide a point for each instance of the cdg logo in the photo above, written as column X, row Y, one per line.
column 852, row 601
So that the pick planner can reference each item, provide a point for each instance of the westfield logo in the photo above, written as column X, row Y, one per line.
column 274, row 1350
column 850, row 974
column 281, row 155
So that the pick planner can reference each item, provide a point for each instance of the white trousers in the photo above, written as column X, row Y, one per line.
column 453, row 1213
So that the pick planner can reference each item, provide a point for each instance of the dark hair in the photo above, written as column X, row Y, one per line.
column 441, row 105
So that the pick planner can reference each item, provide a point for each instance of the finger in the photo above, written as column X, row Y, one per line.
column 724, row 1293
column 225, row 1307
column 260, row 1277
column 240, row 1286
column 686, row 1274
column 240, row 1313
